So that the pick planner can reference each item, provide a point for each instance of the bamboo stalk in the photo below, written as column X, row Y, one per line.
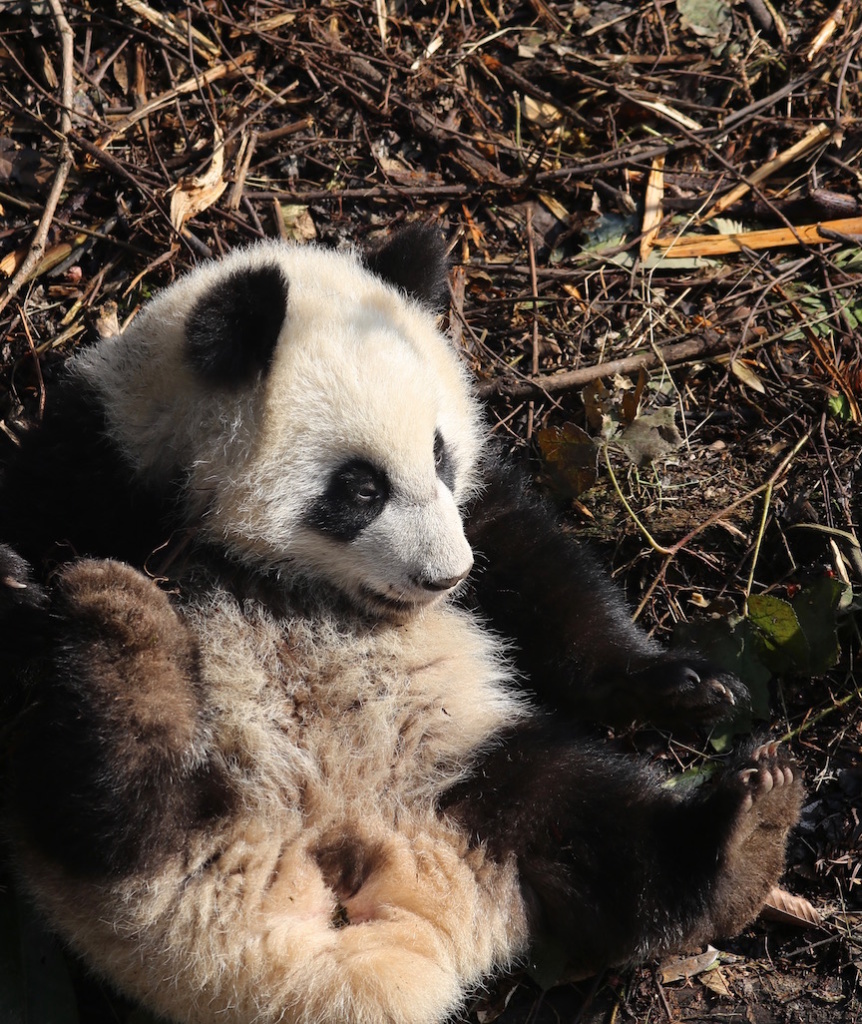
column 176, row 28
column 689, row 246
column 827, row 30
column 653, row 197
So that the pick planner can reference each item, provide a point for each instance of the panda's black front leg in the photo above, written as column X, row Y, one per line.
column 616, row 866
column 575, row 640
column 109, row 758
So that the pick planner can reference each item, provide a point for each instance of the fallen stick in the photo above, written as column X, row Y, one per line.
column 551, row 383
column 808, row 141
column 721, row 245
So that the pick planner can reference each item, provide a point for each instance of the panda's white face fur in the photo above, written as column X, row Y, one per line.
column 339, row 451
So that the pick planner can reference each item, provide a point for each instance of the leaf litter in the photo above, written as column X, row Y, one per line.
column 654, row 217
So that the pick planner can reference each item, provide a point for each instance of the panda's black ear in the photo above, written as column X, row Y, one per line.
column 414, row 259
column 232, row 329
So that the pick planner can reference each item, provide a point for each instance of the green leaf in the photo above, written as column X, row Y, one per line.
column 784, row 647
column 839, row 408
column 709, row 19
column 685, row 783
column 816, row 608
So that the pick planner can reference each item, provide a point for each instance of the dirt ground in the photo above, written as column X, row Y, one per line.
column 654, row 209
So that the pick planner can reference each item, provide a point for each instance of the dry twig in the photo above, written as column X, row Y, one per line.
column 37, row 245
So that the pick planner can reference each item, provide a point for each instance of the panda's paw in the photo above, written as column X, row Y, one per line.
column 770, row 785
column 124, row 607
column 131, row 647
column 765, row 790
column 749, row 809
column 18, row 588
column 689, row 691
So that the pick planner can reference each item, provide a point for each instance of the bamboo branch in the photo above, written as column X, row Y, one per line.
column 653, row 197
column 689, row 246
column 179, row 31
column 808, row 141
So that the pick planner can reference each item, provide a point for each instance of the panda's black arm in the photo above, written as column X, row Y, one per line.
column 107, row 751
column 574, row 637
column 614, row 865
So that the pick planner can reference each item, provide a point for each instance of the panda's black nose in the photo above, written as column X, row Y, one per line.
column 442, row 583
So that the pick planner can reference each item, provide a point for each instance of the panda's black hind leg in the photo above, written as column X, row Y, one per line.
column 109, row 757
column 618, row 866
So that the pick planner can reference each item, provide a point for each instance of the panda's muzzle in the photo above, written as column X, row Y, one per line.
column 442, row 584
column 427, row 590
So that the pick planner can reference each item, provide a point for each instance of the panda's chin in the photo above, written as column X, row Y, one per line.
column 394, row 609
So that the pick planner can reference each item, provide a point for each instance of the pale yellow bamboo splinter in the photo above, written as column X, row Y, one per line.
column 808, row 141
column 689, row 246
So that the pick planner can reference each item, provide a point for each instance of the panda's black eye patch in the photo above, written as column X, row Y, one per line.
column 443, row 464
column 354, row 497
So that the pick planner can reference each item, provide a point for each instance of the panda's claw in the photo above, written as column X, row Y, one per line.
column 17, row 586
column 724, row 692
column 768, row 773
column 680, row 691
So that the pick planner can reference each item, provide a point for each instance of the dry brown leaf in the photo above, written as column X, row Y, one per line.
column 683, row 968
column 744, row 373
column 297, row 223
column 650, row 436
column 715, row 981
column 107, row 323
column 12, row 260
column 786, row 908
column 193, row 195
column 542, row 113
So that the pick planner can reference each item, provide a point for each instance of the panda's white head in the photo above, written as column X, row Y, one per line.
column 320, row 424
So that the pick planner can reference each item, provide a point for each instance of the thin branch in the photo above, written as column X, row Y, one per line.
column 37, row 246
column 674, row 549
column 551, row 383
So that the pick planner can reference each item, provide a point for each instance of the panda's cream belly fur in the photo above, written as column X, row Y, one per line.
column 333, row 890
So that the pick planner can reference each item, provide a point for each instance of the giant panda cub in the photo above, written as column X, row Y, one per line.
column 280, row 751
